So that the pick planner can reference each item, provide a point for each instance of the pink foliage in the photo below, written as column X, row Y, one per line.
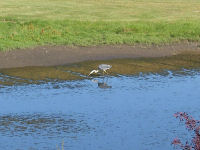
column 193, row 126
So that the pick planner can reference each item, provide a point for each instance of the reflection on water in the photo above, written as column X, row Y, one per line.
column 41, row 125
column 134, row 111
column 102, row 84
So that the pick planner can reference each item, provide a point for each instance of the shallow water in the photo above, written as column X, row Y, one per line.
column 111, row 113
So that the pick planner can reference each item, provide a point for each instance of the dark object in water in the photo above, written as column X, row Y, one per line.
column 104, row 85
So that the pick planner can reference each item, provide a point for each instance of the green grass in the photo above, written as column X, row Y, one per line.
column 27, row 23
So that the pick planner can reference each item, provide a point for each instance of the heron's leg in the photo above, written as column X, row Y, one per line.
column 107, row 76
column 103, row 73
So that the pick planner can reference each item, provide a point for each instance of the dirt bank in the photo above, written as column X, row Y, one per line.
column 60, row 55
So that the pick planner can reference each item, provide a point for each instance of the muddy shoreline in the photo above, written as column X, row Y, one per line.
column 61, row 55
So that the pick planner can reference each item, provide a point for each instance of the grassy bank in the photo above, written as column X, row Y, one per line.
column 26, row 23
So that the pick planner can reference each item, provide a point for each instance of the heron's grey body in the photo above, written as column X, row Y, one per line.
column 104, row 67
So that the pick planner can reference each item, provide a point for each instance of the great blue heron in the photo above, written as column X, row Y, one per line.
column 102, row 67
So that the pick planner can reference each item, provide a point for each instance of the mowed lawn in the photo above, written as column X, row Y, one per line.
column 28, row 23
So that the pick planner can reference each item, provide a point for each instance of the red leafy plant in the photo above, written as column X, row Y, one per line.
column 191, row 125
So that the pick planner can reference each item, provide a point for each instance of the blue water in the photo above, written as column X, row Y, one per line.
column 126, row 113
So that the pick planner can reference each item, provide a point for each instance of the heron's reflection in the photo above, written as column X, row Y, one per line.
column 102, row 84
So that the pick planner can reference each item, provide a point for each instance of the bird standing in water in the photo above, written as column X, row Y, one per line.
column 102, row 67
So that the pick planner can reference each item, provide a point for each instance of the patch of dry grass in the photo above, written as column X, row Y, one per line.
column 101, row 10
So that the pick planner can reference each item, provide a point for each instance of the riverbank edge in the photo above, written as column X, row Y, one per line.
column 61, row 55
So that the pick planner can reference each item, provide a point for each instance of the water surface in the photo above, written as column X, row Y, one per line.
column 120, row 112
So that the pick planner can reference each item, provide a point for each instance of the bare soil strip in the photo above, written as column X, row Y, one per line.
column 62, row 55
